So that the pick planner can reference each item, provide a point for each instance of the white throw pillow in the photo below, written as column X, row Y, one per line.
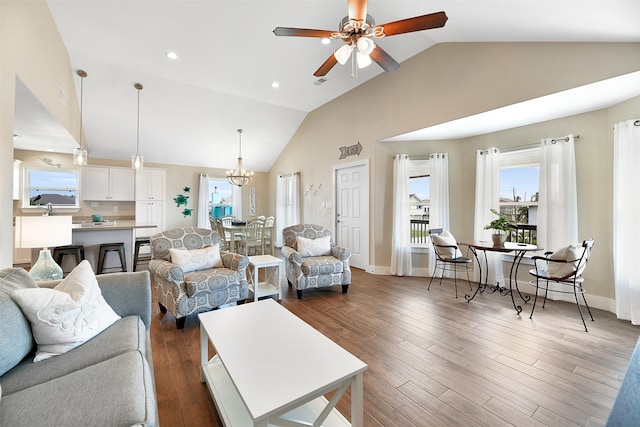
column 568, row 253
column 68, row 315
column 314, row 247
column 447, row 239
column 197, row 259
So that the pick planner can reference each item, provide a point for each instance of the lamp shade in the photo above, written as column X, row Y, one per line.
column 343, row 54
column 42, row 231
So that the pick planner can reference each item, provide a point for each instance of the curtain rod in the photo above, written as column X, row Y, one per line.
column 288, row 175
column 534, row 144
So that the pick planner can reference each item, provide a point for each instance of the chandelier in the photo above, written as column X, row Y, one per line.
column 239, row 176
column 80, row 154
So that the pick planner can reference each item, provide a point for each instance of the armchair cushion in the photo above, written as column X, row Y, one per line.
column 197, row 259
column 211, row 280
column 313, row 247
column 446, row 239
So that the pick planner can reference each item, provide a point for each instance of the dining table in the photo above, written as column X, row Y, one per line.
column 236, row 229
column 518, row 249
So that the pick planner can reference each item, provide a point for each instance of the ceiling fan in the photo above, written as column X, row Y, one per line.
column 357, row 31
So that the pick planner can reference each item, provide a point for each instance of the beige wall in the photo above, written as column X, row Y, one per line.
column 450, row 81
column 31, row 49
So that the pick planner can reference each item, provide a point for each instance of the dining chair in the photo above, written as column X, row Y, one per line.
column 216, row 225
column 448, row 257
column 253, row 238
column 563, row 267
column 268, row 235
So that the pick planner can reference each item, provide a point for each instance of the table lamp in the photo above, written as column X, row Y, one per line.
column 43, row 232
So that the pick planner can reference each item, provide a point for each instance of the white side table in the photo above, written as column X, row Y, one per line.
column 273, row 273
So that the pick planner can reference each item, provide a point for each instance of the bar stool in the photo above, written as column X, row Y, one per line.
column 111, row 247
column 59, row 252
column 140, row 241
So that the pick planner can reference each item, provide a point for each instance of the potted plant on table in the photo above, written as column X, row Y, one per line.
column 501, row 227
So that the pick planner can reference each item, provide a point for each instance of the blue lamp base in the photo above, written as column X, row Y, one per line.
column 45, row 268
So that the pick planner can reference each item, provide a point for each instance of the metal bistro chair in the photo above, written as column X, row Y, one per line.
column 448, row 257
column 564, row 267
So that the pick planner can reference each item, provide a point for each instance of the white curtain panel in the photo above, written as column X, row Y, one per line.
column 487, row 198
column 236, row 201
column 287, row 204
column 439, row 198
column 626, row 228
column 400, row 226
column 558, row 203
column 203, row 202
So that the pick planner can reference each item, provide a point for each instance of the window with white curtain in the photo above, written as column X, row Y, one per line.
column 419, row 198
column 519, row 178
column 220, row 193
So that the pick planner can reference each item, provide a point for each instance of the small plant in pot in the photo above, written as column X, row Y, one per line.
column 501, row 227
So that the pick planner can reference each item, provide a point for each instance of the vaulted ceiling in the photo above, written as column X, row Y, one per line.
column 228, row 59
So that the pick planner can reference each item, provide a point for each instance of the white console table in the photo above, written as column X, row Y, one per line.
column 278, row 371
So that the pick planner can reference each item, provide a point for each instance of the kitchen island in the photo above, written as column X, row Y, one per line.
column 91, row 235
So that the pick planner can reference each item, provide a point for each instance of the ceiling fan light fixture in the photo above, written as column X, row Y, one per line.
column 80, row 155
column 363, row 60
column 365, row 45
column 343, row 54
column 325, row 40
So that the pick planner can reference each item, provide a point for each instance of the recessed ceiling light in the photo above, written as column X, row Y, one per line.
column 325, row 40
column 275, row 85
column 172, row 55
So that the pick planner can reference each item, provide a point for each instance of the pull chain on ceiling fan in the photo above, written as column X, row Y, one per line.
column 357, row 30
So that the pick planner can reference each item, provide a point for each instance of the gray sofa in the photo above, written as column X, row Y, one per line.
column 108, row 380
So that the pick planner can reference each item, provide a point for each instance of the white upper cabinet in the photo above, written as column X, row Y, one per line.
column 151, row 184
column 105, row 183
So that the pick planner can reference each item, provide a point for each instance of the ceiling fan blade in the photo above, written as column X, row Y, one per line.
column 384, row 60
column 301, row 32
column 326, row 66
column 357, row 9
column 417, row 23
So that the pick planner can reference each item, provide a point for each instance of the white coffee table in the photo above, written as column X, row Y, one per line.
column 273, row 272
column 271, row 366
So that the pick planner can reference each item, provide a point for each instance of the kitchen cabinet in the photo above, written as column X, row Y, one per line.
column 150, row 212
column 151, row 184
column 108, row 183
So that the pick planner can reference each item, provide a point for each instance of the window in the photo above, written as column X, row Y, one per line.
column 519, row 191
column 419, row 197
column 56, row 186
column 220, row 198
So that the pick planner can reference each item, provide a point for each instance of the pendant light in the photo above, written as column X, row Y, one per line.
column 137, row 161
column 80, row 154
column 239, row 176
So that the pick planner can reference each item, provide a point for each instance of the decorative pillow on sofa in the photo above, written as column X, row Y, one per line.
column 313, row 247
column 197, row 259
column 568, row 253
column 447, row 239
column 15, row 327
column 68, row 315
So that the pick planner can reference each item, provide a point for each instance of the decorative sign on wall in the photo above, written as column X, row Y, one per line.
column 350, row 150
column 252, row 201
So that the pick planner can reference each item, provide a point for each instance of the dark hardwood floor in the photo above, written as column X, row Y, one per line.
column 433, row 359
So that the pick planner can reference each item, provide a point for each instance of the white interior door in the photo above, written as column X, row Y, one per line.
column 352, row 211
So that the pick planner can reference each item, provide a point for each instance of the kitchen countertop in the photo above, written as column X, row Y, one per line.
column 110, row 225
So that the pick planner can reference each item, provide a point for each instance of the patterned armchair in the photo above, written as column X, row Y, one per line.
column 198, row 278
column 312, row 260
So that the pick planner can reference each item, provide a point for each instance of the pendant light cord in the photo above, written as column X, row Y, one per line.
column 139, row 87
